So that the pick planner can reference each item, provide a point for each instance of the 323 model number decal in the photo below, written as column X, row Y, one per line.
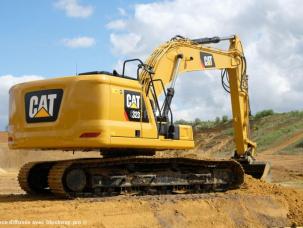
column 135, row 114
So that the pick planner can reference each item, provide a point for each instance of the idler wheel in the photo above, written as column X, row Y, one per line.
column 75, row 180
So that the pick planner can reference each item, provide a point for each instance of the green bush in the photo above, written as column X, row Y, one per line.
column 197, row 122
column 299, row 145
column 261, row 114
column 224, row 119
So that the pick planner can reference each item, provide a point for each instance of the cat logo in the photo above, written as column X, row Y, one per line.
column 43, row 106
column 207, row 60
column 133, row 101
column 132, row 105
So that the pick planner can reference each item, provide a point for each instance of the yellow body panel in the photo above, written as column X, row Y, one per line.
column 90, row 104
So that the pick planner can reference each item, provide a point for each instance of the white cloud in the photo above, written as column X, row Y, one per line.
column 79, row 42
column 7, row 81
column 116, row 25
column 125, row 43
column 73, row 8
column 271, row 32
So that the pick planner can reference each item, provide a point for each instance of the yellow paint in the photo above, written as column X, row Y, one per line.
column 115, row 91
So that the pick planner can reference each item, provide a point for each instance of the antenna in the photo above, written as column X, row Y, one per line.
column 76, row 69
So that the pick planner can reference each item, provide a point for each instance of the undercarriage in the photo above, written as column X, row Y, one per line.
column 140, row 175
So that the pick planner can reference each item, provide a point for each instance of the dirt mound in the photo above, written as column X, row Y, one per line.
column 154, row 211
column 293, row 198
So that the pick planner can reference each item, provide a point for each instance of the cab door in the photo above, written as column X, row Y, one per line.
column 125, row 109
column 137, row 110
column 131, row 114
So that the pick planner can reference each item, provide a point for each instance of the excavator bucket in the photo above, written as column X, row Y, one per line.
column 256, row 169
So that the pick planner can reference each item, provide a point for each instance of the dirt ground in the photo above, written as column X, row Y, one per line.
column 256, row 204
column 286, row 170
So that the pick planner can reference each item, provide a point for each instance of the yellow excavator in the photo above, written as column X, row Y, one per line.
column 124, row 119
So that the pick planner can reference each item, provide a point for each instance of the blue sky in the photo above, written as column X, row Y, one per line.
column 32, row 33
column 48, row 38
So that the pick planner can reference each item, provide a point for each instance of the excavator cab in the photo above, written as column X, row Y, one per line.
column 163, row 114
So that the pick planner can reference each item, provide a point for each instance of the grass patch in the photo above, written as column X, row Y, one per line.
column 268, row 129
column 272, row 130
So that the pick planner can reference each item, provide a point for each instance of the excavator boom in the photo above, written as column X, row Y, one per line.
column 183, row 55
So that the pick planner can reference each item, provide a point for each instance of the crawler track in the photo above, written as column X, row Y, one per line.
column 33, row 177
column 23, row 178
column 133, row 175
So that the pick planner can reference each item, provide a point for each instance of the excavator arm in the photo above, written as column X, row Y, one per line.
column 181, row 55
